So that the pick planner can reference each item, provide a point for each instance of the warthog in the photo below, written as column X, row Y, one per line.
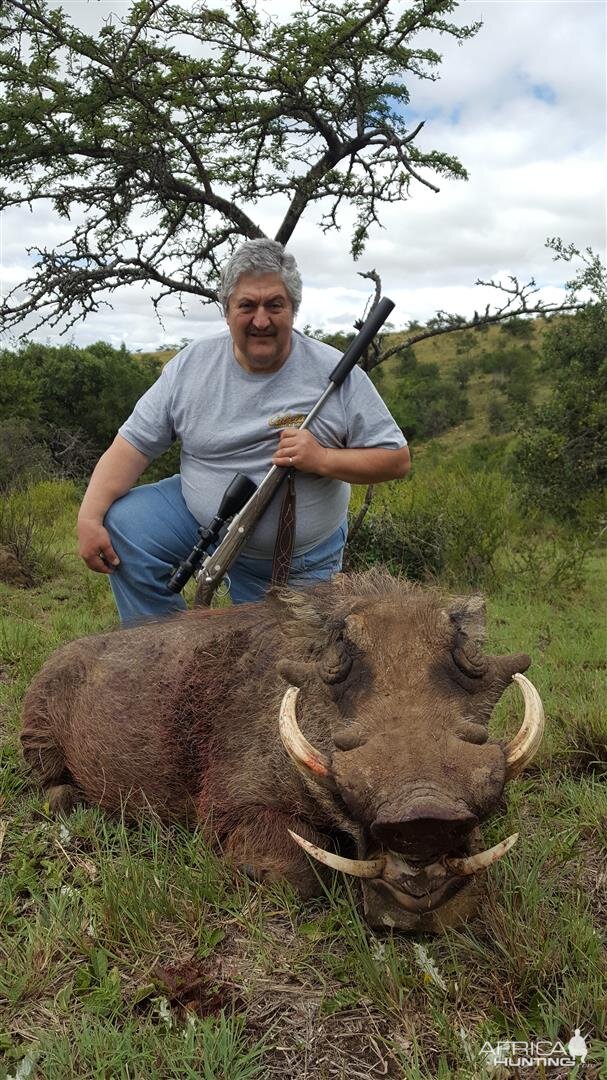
column 379, row 745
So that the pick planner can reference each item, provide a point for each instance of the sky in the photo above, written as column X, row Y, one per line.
column 523, row 107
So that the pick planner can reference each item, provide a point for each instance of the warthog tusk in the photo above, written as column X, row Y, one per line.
column 471, row 864
column 302, row 753
column 384, row 868
column 524, row 746
column 364, row 868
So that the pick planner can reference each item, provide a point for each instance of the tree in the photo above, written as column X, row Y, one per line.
column 87, row 391
column 163, row 136
column 561, row 455
column 172, row 126
column 590, row 278
column 423, row 403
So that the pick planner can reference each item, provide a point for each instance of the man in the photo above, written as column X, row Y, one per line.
column 235, row 401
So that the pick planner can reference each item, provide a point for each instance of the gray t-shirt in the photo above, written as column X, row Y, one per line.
column 229, row 420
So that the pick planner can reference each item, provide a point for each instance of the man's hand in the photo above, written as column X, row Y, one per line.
column 371, row 465
column 95, row 547
column 114, row 474
column 301, row 450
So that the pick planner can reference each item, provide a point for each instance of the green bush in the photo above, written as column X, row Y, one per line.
column 541, row 562
column 90, row 390
column 35, row 451
column 49, row 500
column 522, row 329
column 560, row 458
column 489, row 453
column 23, row 455
column 445, row 524
column 509, row 362
column 498, row 415
column 424, row 403
column 166, row 465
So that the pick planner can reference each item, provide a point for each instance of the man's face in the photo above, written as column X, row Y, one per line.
column 260, row 318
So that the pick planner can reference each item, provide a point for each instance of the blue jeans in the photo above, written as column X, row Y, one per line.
column 152, row 530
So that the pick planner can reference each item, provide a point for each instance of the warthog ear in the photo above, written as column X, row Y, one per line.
column 296, row 606
column 297, row 613
column 469, row 614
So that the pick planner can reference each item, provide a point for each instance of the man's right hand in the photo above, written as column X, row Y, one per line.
column 95, row 546
column 114, row 474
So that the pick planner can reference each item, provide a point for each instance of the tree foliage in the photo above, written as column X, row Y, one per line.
column 168, row 132
column 423, row 402
column 66, row 389
column 561, row 455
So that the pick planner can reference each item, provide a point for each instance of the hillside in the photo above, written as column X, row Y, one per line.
column 464, row 350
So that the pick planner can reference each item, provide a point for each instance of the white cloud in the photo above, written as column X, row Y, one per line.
column 528, row 99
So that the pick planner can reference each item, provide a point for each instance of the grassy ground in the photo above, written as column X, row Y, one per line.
column 133, row 952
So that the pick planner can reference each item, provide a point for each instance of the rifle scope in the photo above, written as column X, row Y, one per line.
column 237, row 493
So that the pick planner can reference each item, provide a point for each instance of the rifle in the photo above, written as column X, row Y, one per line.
column 217, row 564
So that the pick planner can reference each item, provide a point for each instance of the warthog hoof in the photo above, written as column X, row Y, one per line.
column 63, row 798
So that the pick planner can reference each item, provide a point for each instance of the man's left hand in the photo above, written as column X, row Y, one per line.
column 300, row 450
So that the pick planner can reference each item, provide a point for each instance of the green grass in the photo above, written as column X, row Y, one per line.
column 133, row 952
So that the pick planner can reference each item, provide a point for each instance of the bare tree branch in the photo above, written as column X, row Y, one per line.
column 362, row 513
column 139, row 124
column 515, row 306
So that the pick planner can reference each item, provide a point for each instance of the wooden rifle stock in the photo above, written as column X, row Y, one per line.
column 216, row 565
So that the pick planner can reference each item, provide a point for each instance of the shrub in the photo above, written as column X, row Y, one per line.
column 424, row 403
column 522, row 329
column 377, row 377
column 541, row 564
column 462, row 370
column 507, row 362
column 488, row 454
column 166, row 465
column 498, row 416
column 446, row 524
column 49, row 500
column 560, row 456
column 27, row 521
column 90, row 390
column 23, row 454
column 31, row 452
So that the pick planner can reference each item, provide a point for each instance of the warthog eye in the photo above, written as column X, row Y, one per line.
column 334, row 666
column 468, row 657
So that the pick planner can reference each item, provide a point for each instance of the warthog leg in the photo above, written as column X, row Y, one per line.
column 46, row 758
column 260, row 846
column 63, row 798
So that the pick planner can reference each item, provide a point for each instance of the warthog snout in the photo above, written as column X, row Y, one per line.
column 424, row 829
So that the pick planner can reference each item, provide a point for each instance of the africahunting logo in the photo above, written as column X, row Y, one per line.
column 521, row 1054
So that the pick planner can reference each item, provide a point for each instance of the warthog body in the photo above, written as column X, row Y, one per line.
column 395, row 696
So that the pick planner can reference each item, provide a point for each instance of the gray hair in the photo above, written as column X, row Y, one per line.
column 260, row 257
